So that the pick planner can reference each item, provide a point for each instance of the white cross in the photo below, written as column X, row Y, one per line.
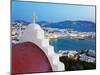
column 34, row 18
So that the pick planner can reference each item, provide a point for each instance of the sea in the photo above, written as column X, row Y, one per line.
column 63, row 44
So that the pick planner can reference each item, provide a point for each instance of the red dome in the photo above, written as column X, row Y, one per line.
column 29, row 58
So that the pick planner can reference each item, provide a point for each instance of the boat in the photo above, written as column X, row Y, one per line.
column 81, row 39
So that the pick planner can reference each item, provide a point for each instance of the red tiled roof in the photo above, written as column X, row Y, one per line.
column 29, row 58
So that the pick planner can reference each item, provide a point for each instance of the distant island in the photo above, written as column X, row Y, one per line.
column 66, row 29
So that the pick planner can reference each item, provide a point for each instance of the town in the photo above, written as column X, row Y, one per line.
column 51, row 33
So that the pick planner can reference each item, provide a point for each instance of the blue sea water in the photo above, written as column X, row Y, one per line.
column 73, row 44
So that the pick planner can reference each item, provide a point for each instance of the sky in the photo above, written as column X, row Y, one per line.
column 51, row 12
